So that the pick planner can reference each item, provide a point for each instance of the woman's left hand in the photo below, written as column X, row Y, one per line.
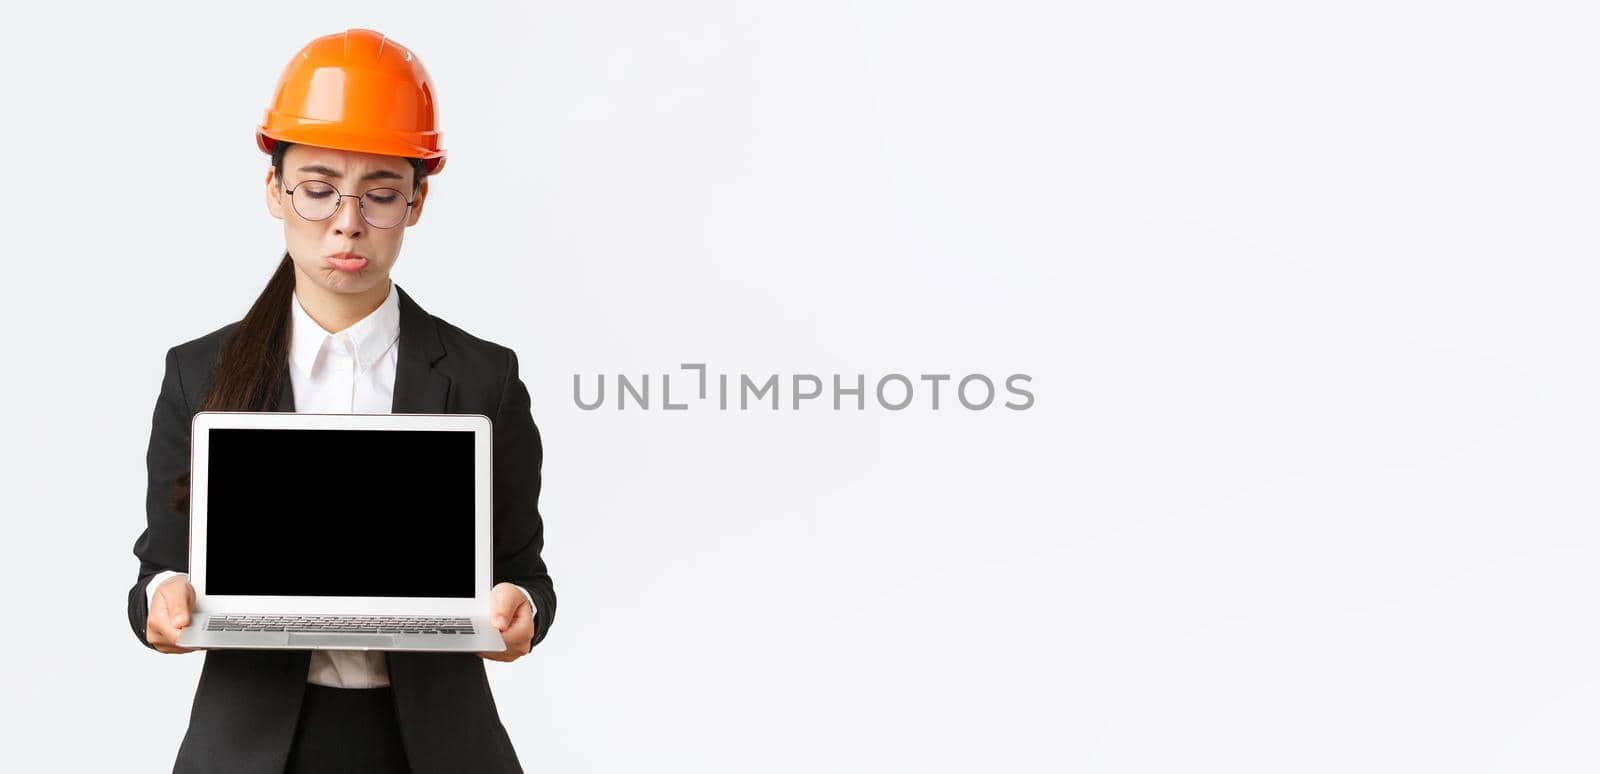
column 510, row 612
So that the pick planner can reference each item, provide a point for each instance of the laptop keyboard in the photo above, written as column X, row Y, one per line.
column 333, row 624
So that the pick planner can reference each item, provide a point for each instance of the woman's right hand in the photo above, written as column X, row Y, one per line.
column 169, row 614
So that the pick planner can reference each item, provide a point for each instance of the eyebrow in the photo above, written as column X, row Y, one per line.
column 382, row 174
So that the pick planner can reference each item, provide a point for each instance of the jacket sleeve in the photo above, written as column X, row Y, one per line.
column 164, row 544
column 518, row 527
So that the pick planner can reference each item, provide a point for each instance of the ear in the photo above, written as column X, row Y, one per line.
column 416, row 204
column 274, row 194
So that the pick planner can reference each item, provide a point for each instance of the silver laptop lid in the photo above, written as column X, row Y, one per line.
column 382, row 514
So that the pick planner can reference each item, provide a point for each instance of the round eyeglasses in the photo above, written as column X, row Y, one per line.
column 379, row 207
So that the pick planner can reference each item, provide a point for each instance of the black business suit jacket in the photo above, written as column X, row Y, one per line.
column 248, row 701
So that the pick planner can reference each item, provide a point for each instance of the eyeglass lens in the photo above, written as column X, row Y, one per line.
column 381, row 207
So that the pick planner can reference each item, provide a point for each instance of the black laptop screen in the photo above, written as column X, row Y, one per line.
column 365, row 513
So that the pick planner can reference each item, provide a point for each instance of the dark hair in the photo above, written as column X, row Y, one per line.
column 249, row 372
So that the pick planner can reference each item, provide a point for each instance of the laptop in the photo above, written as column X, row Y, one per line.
column 341, row 532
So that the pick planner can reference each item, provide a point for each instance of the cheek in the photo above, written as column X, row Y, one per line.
column 303, row 240
column 300, row 230
column 386, row 244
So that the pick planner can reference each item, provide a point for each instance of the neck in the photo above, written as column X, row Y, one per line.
column 337, row 311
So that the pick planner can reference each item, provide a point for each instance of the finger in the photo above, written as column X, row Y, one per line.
column 160, row 633
column 509, row 614
column 504, row 612
column 521, row 611
column 507, row 604
column 155, row 625
column 166, row 609
column 164, row 626
column 519, row 638
column 178, row 605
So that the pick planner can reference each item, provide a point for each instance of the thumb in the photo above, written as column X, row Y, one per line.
column 179, row 607
column 158, row 605
column 502, row 600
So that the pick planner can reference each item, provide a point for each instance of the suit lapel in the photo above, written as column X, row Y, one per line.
column 419, row 388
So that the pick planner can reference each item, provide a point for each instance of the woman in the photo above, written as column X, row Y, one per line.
column 352, row 139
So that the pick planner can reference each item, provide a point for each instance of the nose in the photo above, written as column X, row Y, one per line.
column 347, row 220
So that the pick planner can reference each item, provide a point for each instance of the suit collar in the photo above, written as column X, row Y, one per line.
column 419, row 387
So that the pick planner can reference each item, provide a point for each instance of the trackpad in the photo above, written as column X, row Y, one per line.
column 341, row 641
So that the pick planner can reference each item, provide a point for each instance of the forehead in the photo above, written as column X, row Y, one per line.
column 343, row 161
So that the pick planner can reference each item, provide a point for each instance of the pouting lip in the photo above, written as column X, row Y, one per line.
column 347, row 256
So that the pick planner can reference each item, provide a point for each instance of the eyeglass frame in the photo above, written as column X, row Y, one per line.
column 360, row 209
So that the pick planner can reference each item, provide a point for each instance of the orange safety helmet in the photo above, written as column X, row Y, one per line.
column 358, row 91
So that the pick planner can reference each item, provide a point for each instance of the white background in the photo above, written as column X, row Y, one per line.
column 1305, row 289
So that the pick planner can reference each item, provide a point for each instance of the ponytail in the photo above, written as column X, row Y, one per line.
column 249, row 372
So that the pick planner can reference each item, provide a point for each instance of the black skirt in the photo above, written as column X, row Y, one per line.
column 347, row 729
